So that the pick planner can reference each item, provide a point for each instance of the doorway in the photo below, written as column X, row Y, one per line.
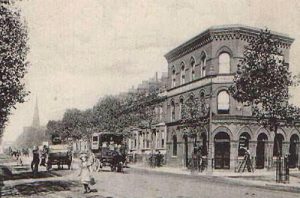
column 260, row 150
column 222, row 151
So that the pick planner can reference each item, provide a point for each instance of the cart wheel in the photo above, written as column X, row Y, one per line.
column 49, row 166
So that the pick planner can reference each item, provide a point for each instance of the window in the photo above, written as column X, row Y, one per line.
column 193, row 63
column 172, row 111
column 223, row 102
column 162, row 139
column 182, row 73
column 180, row 107
column 148, row 140
column 224, row 63
column 174, row 145
column 203, row 65
column 173, row 77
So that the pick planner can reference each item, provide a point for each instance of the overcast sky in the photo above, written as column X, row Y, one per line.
column 84, row 49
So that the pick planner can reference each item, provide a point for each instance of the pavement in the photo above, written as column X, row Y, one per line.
column 259, row 178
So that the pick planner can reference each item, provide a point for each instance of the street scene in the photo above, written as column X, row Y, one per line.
column 131, row 99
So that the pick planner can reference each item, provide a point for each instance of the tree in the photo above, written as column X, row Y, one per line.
column 262, row 81
column 107, row 115
column 13, row 52
column 194, row 115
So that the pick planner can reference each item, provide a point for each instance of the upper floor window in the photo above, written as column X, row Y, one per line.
column 223, row 102
column 180, row 107
column 172, row 111
column 203, row 65
column 182, row 73
column 224, row 63
column 173, row 77
column 193, row 64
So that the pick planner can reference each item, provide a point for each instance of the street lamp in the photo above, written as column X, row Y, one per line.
column 209, row 146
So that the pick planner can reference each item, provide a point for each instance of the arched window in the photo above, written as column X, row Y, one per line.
column 182, row 73
column 203, row 65
column 243, row 143
column 224, row 63
column 193, row 64
column 180, row 107
column 172, row 111
column 174, row 145
column 173, row 77
column 223, row 102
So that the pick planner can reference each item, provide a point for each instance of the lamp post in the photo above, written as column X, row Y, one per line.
column 209, row 137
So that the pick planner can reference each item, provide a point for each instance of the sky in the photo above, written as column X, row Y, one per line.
column 82, row 50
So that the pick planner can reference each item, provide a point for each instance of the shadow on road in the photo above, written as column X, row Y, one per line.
column 29, row 175
column 34, row 188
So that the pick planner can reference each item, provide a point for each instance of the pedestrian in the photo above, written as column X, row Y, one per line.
column 35, row 160
column 85, row 173
column 44, row 156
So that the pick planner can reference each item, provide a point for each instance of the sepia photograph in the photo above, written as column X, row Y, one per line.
column 150, row 98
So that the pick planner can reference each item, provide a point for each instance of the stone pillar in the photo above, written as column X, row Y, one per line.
column 252, row 149
column 210, row 157
column 233, row 154
column 269, row 154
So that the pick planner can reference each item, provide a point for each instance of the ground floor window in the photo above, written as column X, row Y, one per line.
column 174, row 145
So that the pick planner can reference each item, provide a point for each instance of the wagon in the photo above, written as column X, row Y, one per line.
column 59, row 155
column 107, row 156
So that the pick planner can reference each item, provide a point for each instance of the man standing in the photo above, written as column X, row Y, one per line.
column 35, row 160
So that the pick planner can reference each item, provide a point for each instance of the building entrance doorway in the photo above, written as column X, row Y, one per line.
column 222, row 151
column 261, row 150
column 294, row 145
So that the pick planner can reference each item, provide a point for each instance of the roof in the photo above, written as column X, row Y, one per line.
column 222, row 32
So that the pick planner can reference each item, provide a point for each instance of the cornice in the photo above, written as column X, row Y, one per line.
column 242, row 33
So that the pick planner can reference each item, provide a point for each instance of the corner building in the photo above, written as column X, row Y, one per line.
column 204, row 66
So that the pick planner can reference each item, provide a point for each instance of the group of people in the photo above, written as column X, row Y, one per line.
column 38, row 158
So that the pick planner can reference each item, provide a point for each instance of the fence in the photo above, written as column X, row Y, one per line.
column 282, row 170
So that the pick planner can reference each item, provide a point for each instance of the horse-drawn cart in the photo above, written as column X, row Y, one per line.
column 60, row 155
column 109, row 150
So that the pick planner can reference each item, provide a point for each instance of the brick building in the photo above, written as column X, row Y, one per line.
column 204, row 67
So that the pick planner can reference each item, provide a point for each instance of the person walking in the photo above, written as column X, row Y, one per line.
column 85, row 173
column 35, row 160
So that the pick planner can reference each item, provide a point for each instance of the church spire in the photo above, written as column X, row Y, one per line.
column 36, row 117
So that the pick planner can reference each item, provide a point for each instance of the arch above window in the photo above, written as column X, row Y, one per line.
column 224, row 63
column 223, row 102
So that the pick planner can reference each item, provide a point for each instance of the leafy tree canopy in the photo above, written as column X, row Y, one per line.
column 262, row 81
column 13, row 53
